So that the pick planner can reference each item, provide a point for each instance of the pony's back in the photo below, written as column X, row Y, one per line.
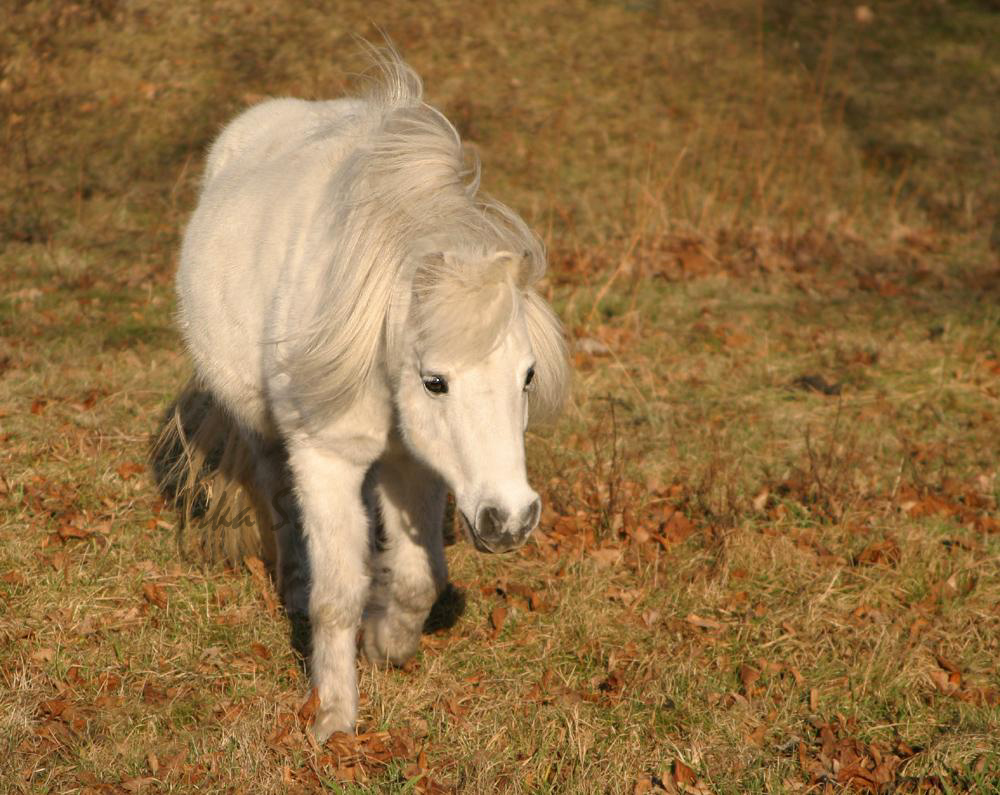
column 270, row 129
column 276, row 126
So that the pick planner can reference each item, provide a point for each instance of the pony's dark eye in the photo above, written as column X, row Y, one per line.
column 529, row 377
column 435, row 384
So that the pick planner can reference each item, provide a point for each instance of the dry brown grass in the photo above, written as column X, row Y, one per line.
column 741, row 584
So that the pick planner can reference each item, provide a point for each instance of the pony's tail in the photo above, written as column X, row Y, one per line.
column 204, row 468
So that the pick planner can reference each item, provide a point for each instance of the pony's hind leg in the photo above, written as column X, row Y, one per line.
column 410, row 569
column 274, row 485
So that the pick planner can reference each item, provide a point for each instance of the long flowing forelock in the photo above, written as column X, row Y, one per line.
column 461, row 311
column 406, row 189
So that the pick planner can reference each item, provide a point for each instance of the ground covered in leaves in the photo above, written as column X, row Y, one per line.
column 770, row 555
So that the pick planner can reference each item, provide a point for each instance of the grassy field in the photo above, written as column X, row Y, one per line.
column 770, row 555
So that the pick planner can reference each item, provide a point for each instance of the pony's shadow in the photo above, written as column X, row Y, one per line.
column 447, row 610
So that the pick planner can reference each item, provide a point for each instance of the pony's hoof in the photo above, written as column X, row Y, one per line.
column 384, row 649
column 328, row 722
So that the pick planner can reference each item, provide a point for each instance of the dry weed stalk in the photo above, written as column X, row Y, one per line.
column 832, row 470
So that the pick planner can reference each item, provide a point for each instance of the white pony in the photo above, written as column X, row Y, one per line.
column 365, row 327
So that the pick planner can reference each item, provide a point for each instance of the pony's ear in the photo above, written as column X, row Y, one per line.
column 517, row 267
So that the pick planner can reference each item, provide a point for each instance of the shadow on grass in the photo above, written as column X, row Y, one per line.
column 892, row 74
column 447, row 610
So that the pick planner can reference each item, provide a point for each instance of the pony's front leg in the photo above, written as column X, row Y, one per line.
column 410, row 569
column 336, row 530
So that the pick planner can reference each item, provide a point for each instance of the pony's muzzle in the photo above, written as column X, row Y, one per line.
column 500, row 530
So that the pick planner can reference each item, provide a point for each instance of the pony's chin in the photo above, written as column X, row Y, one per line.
column 478, row 543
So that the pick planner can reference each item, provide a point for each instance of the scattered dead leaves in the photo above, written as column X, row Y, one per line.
column 531, row 597
column 604, row 518
column 838, row 756
column 356, row 758
column 69, row 532
column 969, row 504
column 950, row 681
column 678, row 779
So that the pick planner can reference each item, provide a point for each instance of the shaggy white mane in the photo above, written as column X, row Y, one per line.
column 405, row 217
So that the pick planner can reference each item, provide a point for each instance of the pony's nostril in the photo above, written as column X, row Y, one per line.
column 490, row 520
column 533, row 514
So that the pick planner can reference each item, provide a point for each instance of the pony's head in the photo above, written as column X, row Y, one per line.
column 479, row 353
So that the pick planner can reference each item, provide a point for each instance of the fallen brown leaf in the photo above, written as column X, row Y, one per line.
column 260, row 575
column 68, row 531
column 497, row 619
column 704, row 623
column 756, row 737
column 155, row 594
column 682, row 773
column 260, row 650
column 129, row 469
column 947, row 664
column 308, row 709
column 886, row 552
column 136, row 784
column 605, row 557
column 748, row 676
column 153, row 695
